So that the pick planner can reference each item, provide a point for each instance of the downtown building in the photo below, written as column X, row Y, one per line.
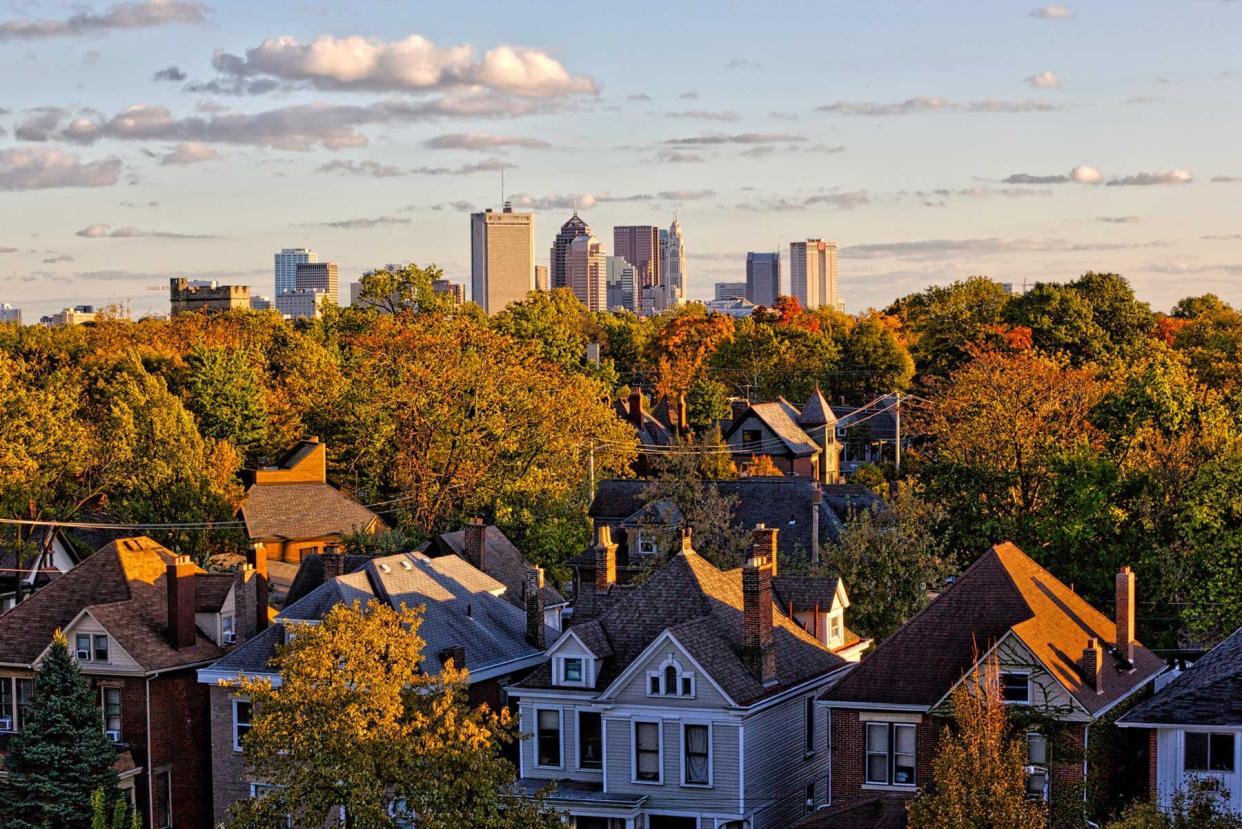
column 621, row 284
column 813, row 274
column 587, row 272
column 287, row 262
column 673, row 256
column 763, row 278
column 558, row 272
column 502, row 257
column 640, row 246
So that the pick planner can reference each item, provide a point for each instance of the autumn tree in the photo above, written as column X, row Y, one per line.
column 978, row 774
column 407, row 288
column 223, row 390
column 355, row 723
column 942, row 322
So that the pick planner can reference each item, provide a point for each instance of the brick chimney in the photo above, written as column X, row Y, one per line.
column 476, row 542
column 636, row 407
column 763, row 545
column 1125, row 614
column 683, row 423
column 605, row 558
column 757, row 652
column 533, row 596
column 180, row 581
column 1091, row 664
column 687, row 540
column 244, row 582
column 737, row 408
column 257, row 558
column 333, row 565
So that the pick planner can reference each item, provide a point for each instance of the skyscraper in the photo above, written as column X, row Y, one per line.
column 287, row 262
column 763, row 278
column 572, row 229
column 674, row 265
column 640, row 246
column 621, row 281
column 813, row 274
column 319, row 276
column 541, row 278
column 586, row 267
column 502, row 257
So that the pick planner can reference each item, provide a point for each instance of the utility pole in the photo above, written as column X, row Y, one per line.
column 897, row 450
column 591, row 467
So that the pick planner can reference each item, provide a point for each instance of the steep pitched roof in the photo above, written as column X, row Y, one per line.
column 1003, row 591
column 816, row 411
column 781, row 418
column 701, row 606
column 1207, row 693
column 302, row 510
column 502, row 561
column 310, row 574
column 123, row 587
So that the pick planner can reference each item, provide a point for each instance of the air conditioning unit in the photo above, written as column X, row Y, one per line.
column 6, row 723
column 84, row 655
column 114, row 736
column 229, row 637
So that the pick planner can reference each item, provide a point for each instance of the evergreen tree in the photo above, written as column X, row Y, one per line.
column 61, row 756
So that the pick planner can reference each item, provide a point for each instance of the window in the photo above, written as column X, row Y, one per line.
column 25, row 697
column 670, row 681
column 890, row 754
column 1209, row 752
column 697, row 760
column 161, row 794
column 7, row 723
column 653, row 685
column 101, row 647
column 548, row 737
column 241, row 721
column 1016, row 688
column 751, row 437
column 1036, row 766
column 590, row 740
column 836, row 630
column 808, row 725
column 571, row 670
column 646, row 546
column 228, row 634
column 82, row 647
column 810, row 797
column 647, row 765
column 110, row 701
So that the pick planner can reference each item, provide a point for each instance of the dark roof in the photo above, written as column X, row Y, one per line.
column 302, row 510
column 310, row 574
column 879, row 423
column 123, row 586
column 702, row 607
column 210, row 591
column 805, row 592
column 869, row 811
column 1207, row 693
column 252, row 656
column 816, row 411
column 782, row 419
column 19, row 556
column 652, row 432
column 1003, row 591
column 501, row 560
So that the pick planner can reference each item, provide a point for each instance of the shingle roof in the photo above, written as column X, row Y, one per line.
column 310, row 574
column 299, row 511
column 781, row 418
column 210, row 591
column 805, row 592
column 502, row 561
column 868, row 811
column 252, row 656
column 816, row 411
column 123, row 586
column 702, row 607
column 1004, row 590
column 1207, row 693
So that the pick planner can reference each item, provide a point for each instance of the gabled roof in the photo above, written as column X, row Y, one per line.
column 210, row 591
column 702, row 607
column 781, row 418
column 501, row 560
column 805, row 592
column 123, row 586
column 302, row 511
column 816, row 411
column 1207, row 693
column 1003, row 591
column 19, row 558
column 652, row 432
column 310, row 574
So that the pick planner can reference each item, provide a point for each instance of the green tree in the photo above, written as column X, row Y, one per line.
column 555, row 321
column 356, row 723
column 1193, row 307
column 1061, row 321
column 941, row 322
column 873, row 362
column 60, row 757
column 1196, row 808
column 118, row 817
column 406, row 288
column 225, row 393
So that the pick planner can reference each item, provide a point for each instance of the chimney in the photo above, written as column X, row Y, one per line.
column 763, row 546
column 605, row 558
column 1125, row 614
column 457, row 653
column 1091, row 664
column 257, row 558
column 737, row 408
column 180, row 581
column 333, row 565
column 687, row 543
column 757, row 652
column 636, row 407
column 476, row 542
column 534, row 607
column 244, row 583
column 683, row 422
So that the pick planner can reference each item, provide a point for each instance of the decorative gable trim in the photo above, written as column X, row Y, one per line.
column 567, row 635
column 660, row 642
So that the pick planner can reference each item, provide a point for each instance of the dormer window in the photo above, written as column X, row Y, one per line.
column 573, row 670
column 646, row 545
column 228, row 633
column 670, row 681
column 88, row 648
column 1016, row 688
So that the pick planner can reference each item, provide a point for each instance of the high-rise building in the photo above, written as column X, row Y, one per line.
column 572, row 229
column 730, row 290
column 319, row 276
column 586, row 267
column 10, row 314
column 453, row 290
column 287, row 262
column 301, row 303
column 621, row 284
column 541, row 278
column 640, row 246
column 502, row 257
column 763, row 278
column 673, row 269
column 813, row 274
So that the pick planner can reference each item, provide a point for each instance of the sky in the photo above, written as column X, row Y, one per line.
column 931, row 141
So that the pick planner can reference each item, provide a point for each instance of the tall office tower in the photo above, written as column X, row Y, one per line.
column 674, row 264
column 541, row 278
column 621, row 282
column 287, row 262
column 763, row 278
column 586, row 267
column 572, row 229
column 319, row 276
column 502, row 257
column 640, row 246
column 813, row 273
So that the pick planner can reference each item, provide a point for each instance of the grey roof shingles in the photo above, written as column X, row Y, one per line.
column 1207, row 693
column 501, row 560
column 302, row 511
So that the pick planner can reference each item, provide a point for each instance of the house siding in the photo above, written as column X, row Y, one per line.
column 634, row 692
column 180, row 733
column 228, row 771
column 1170, row 773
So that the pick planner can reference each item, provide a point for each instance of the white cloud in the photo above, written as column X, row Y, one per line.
column 1084, row 174
column 704, row 115
column 1044, row 80
column 679, row 157
column 482, row 142
column 140, row 15
column 105, row 231
column 370, row 169
column 1144, row 179
column 1054, row 12
column 1118, row 220
column 585, row 201
column 932, row 103
column 189, row 152
column 737, row 138
column 40, row 124
column 43, row 168
column 364, row 224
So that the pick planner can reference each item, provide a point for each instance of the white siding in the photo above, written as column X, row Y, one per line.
column 119, row 661
column 1170, row 766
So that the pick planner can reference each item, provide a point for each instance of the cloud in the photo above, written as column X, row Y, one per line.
column 704, row 115
column 188, row 152
column 1082, row 174
column 44, row 168
column 1225, row 179
column 585, row 201
column 641, row 96
column 413, row 64
column 40, row 124
column 678, row 157
column 5, row 249
column 1118, row 220
column 1044, row 80
column 743, row 63
column 992, row 105
column 459, row 206
column 104, row 231
column 933, row 103
column 172, row 73
column 64, row 257
column 737, row 138
column 1085, row 174
column 140, row 15
column 491, row 165
column 689, row 96
column 927, row 250
column 841, row 201
column 369, row 169
column 482, row 142
column 363, row 224
column 1146, row 179
column 1221, row 237
column 1054, row 12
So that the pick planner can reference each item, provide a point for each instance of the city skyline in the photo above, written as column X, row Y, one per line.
column 1002, row 141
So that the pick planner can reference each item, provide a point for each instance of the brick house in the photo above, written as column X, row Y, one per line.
column 687, row 702
column 1059, row 659
column 801, row 442
column 140, row 620
column 467, row 618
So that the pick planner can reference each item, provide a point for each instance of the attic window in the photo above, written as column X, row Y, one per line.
column 1016, row 688
column 670, row 681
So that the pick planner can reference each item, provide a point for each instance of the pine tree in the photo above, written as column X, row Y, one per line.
column 60, row 756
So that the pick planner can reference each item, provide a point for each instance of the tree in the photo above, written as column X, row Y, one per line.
column 941, row 322
column 118, row 817
column 1196, row 808
column 60, row 757
column 761, row 466
column 978, row 775
column 873, row 362
column 555, row 321
column 224, row 391
column 407, row 288
column 356, row 723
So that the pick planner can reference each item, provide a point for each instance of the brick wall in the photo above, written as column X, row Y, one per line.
column 849, row 752
column 1065, row 771
column 181, row 742
column 1152, row 791
column 228, row 772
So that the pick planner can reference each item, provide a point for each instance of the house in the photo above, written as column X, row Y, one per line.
column 868, row 433
column 1058, row 657
column 26, row 565
column 466, row 619
column 800, row 442
column 291, row 509
column 688, row 703
column 1195, row 727
column 652, row 431
column 140, row 620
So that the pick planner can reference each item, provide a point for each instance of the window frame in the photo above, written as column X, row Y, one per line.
column 659, row 726
column 104, row 690
column 579, row 732
column 585, row 680
column 657, row 685
column 166, row 774
column 560, row 736
column 1026, row 675
column 1208, row 752
column 685, row 755
column 78, row 650
column 808, row 725
column 19, row 709
column 229, row 628
column 96, row 640
column 890, row 754
column 1034, row 769
column 238, row 725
